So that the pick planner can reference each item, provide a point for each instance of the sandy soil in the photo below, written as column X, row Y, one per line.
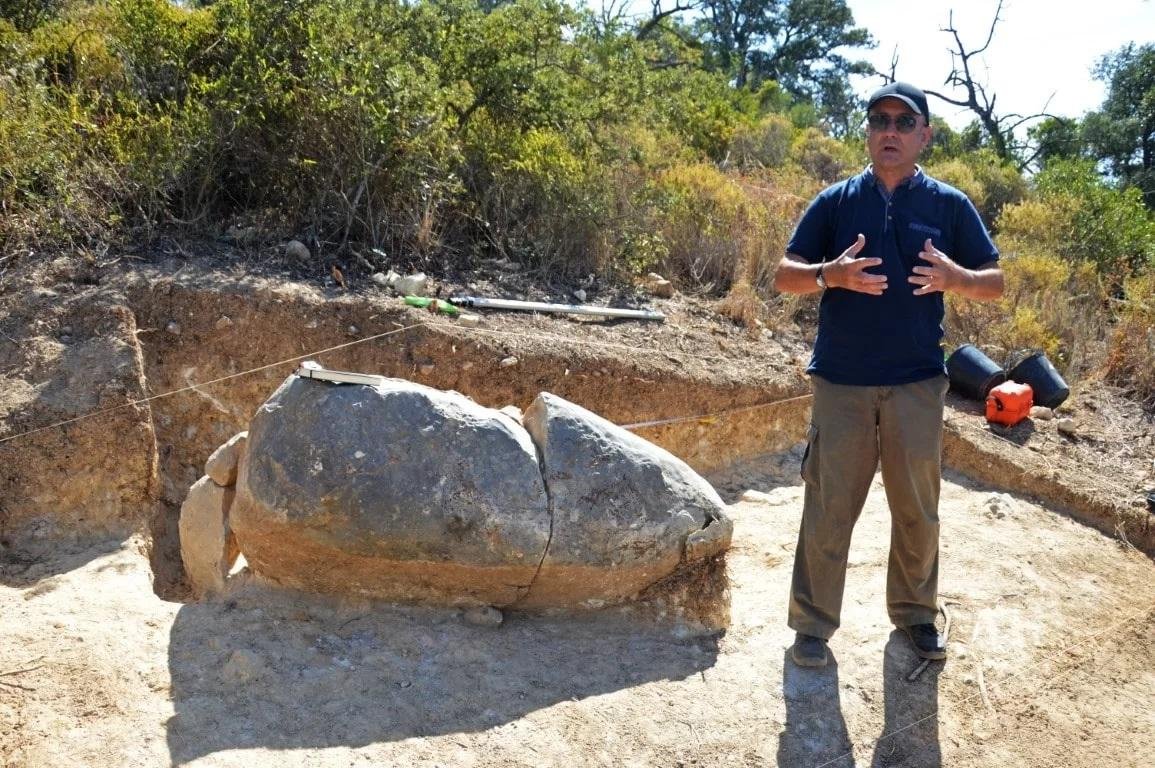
column 1052, row 663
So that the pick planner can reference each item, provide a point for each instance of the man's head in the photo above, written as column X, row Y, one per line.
column 897, row 127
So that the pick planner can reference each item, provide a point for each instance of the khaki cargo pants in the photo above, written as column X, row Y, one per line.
column 852, row 429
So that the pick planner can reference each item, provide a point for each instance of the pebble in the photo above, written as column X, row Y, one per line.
column 412, row 285
column 353, row 330
column 483, row 616
column 509, row 361
column 297, row 251
column 1067, row 427
column 242, row 666
column 224, row 322
column 173, row 327
column 469, row 319
column 1040, row 413
column 580, row 295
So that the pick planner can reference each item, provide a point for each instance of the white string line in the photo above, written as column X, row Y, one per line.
column 716, row 414
column 1019, row 673
column 192, row 387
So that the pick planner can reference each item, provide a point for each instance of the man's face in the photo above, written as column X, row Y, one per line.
column 889, row 147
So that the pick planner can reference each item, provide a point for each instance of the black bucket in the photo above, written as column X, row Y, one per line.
column 972, row 374
column 1049, row 388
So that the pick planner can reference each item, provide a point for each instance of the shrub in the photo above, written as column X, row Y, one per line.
column 765, row 144
column 1107, row 226
column 1131, row 352
column 824, row 158
column 1049, row 304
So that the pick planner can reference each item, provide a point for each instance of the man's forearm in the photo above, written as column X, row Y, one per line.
column 796, row 276
column 982, row 284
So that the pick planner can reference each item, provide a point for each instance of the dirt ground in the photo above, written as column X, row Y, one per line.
column 1052, row 663
column 1052, row 622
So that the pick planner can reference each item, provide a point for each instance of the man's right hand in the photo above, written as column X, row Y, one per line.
column 849, row 272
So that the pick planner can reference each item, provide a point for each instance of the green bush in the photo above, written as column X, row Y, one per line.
column 824, row 158
column 1099, row 223
column 765, row 144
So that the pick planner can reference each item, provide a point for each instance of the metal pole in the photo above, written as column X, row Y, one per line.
column 538, row 306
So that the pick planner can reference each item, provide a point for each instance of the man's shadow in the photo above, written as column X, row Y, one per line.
column 815, row 732
column 909, row 735
column 280, row 673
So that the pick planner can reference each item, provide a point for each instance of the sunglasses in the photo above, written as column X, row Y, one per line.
column 904, row 123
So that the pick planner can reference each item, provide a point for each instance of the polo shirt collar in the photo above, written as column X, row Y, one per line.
column 917, row 180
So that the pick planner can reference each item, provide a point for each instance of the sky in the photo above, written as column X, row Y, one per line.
column 1042, row 49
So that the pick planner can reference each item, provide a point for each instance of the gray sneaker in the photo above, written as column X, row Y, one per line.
column 808, row 651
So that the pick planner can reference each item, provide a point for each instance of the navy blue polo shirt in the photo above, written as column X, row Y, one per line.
column 895, row 338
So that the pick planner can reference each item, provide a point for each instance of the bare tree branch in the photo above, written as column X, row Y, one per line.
column 658, row 14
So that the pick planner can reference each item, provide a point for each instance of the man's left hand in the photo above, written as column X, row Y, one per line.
column 942, row 274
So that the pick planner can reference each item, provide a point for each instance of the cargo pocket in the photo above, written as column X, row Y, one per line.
column 809, row 469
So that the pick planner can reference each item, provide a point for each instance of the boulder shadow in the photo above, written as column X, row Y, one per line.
column 909, row 735
column 761, row 473
column 815, row 730
column 25, row 564
column 278, row 671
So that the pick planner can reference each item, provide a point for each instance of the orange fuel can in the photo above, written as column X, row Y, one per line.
column 1009, row 403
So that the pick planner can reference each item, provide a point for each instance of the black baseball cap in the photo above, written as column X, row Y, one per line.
column 905, row 92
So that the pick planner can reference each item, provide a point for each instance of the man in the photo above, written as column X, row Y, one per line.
column 883, row 247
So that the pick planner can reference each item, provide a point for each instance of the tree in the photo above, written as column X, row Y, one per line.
column 1122, row 132
column 1000, row 129
column 1058, row 138
column 791, row 41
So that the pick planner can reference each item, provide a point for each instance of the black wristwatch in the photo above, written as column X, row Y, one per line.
column 819, row 278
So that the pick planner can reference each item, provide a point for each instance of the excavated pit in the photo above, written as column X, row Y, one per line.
column 207, row 350
column 230, row 330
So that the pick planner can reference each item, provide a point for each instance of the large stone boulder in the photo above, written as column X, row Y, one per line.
column 626, row 513
column 396, row 491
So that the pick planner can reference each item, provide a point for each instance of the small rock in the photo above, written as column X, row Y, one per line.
column 1040, row 413
column 224, row 322
column 580, row 295
column 352, row 330
column 221, row 466
column 242, row 666
column 380, row 279
column 427, row 369
column 1067, row 427
column 752, row 495
column 471, row 320
column 999, row 506
column 467, row 365
column 483, row 616
column 173, row 327
column 416, row 284
column 297, row 251
column 65, row 338
column 509, row 362
column 658, row 286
